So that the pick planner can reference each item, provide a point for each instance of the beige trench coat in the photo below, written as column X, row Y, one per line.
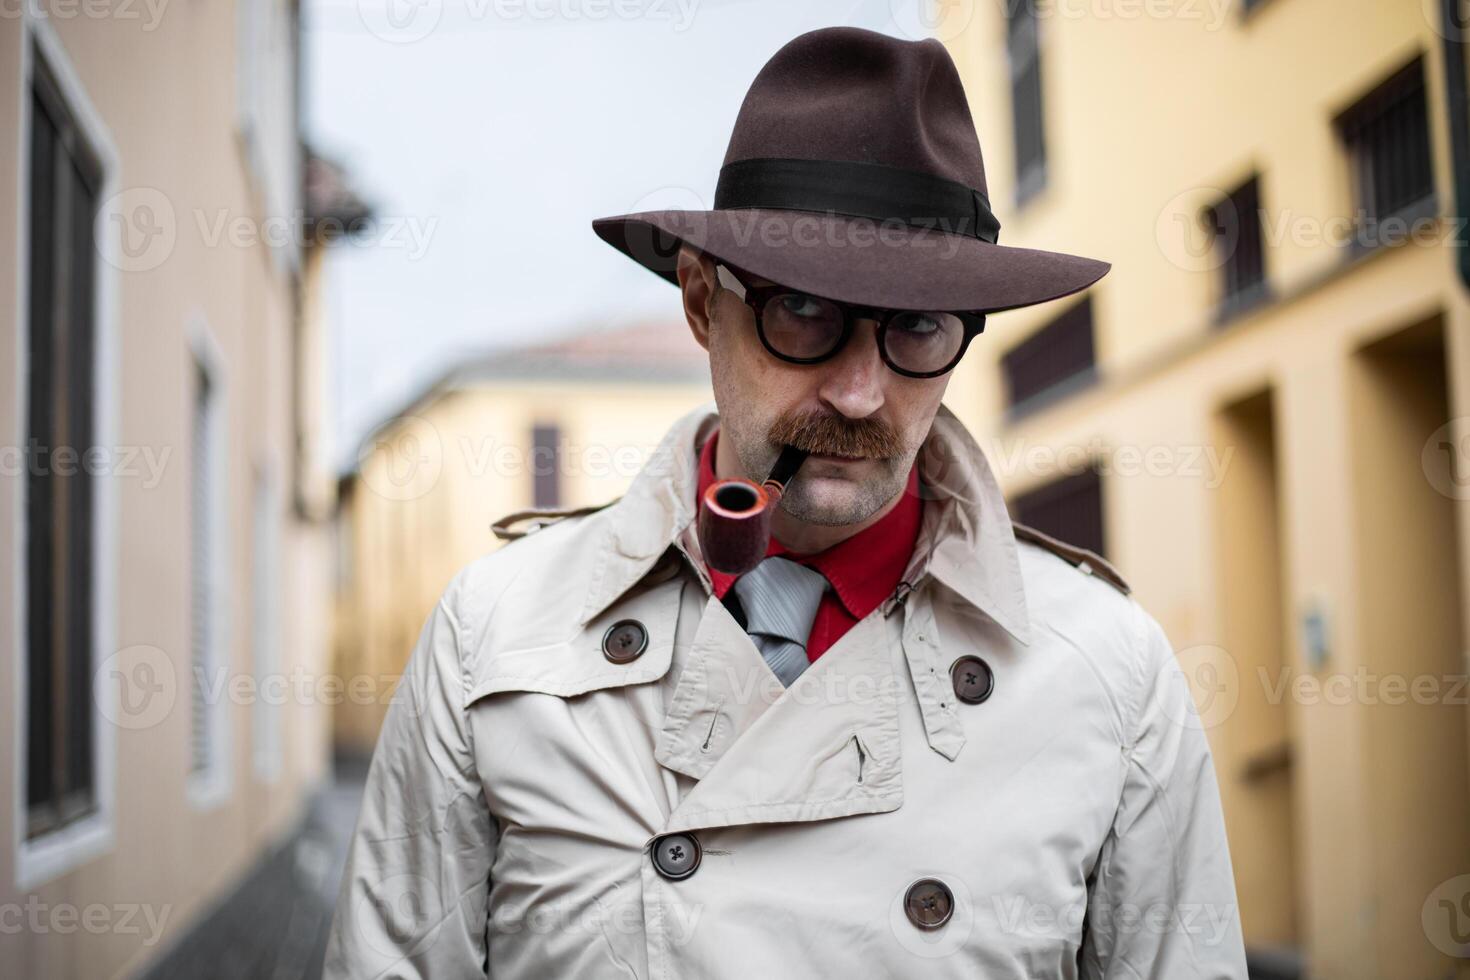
column 522, row 775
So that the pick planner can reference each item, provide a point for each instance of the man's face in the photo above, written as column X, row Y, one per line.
column 851, row 405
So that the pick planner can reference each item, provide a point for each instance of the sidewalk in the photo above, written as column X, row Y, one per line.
column 274, row 926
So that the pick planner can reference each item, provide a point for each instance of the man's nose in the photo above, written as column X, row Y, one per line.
column 853, row 379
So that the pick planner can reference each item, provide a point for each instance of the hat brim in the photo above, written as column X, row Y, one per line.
column 856, row 260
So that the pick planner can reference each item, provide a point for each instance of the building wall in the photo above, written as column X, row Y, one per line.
column 1323, row 408
column 432, row 481
column 189, row 142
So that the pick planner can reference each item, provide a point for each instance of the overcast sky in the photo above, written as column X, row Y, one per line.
column 489, row 133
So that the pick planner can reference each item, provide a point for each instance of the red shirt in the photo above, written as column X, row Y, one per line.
column 863, row 570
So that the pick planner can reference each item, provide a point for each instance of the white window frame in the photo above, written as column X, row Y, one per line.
column 211, row 787
column 265, row 591
column 52, row 854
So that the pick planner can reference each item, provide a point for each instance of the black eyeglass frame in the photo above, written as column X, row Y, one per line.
column 756, row 298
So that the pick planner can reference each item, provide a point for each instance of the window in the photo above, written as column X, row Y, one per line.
column 1069, row 509
column 207, row 753
column 546, row 465
column 1239, row 245
column 1026, row 120
column 264, row 636
column 1054, row 360
column 1386, row 136
column 65, row 178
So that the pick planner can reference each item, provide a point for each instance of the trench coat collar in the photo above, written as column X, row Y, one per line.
column 966, row 540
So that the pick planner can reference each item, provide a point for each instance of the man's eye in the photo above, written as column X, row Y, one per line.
column 802, row 305
column 918, row 324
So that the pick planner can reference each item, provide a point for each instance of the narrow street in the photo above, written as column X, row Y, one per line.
column 274, row 925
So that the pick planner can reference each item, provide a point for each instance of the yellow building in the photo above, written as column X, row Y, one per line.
column 564, row 424
column 164, row 569
column 1259, row 415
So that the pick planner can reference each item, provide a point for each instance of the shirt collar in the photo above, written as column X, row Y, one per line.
column 965, row 538
column 864, row 568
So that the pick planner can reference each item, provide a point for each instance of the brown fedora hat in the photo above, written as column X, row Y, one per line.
column 854, row 173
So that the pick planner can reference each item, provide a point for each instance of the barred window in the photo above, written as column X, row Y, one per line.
column 61, row 385
column 1386, row 137
column 1026, row 107
column 1069, row 509
column 1239, row 242
column 1054, row 359
column 546, row 465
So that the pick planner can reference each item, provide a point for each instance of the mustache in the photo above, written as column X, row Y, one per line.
column 819, row 432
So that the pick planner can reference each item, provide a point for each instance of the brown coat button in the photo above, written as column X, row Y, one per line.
column 676, row 856
column 972, row 679
column 624, row 641
column 929, row 903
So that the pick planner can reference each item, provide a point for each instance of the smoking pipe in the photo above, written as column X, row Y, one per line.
column 735, row 515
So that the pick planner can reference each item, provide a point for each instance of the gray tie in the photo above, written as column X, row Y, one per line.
column 780, row 599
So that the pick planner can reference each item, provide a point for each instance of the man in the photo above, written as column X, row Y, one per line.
column 911, row 741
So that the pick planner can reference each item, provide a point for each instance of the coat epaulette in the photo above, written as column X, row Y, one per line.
column 1089, row 562
column 539, row 518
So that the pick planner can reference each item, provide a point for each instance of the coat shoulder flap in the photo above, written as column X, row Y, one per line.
column 538, row 517
column 521, row 606
column 1089, row 562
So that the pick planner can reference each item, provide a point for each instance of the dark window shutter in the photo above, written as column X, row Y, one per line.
column 546, row 465
column 1237, row 226
column 1386, row 136
column 1058, row 353
column 60, row 411
column 1069, row 509
column 201, row 577
column 1023, row 48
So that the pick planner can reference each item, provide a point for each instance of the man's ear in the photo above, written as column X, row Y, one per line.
column 696, row 272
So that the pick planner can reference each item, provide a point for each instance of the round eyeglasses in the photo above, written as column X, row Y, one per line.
column 806, row 329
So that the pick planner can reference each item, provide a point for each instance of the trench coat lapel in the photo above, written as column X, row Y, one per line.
column 829, row 745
